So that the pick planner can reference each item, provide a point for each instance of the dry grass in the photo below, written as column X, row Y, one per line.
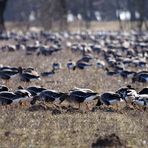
column 41, row 128
column 77, row 26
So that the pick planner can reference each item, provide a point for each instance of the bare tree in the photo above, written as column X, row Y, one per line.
column 53, row 13
column 2, row 10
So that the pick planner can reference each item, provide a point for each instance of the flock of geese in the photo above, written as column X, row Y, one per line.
column 116, row 53
column 34, row 94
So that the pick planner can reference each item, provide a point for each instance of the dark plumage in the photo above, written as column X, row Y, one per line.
column 50, row 96
column 109, row 98
column 140, row 77
column 143, row 91
column 27, row 77
column 48, row 74
column 3, row 88
column 79, row 96
column 35, row 90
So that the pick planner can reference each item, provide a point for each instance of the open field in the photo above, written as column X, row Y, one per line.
column 36, row 127
column 79, row 26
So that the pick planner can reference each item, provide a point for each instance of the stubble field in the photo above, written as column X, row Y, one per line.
column 43, row 128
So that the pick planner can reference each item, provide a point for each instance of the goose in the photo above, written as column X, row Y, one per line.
column 56, row 66
column 3, row 88
column 82, row 65
column 35, row 90
column 6, row 98
column 82, row 96
column 5, row 101
column 124, row 90
column 31, row 70
column 52, row 96
column 27, row 77
column 8, row 68
column 86, row 58
column 100, row 64
column 111, row 73
column 143, row 91
column 140, row 77
column 22, row 95
column 16, row 97
column 127, row 93
column 141, row 101
column 71, row 65
column 7, row 73
column 127, row 74
column 48, row 74
column 109, row 98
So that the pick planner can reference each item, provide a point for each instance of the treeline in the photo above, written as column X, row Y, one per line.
column 47, row 12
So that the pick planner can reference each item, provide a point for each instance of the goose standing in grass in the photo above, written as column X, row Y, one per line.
column 56, row 66
column 71, row 65
column 82, row 96
column 51, row 96
column 109, row 98
column 27, row 77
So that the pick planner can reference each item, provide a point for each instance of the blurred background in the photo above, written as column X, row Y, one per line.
column 75, row 15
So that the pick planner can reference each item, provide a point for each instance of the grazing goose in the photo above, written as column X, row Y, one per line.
column 48, row 74
column 100, row 64
column 31, row 70
column 35, row 90
column 5, row 101
column 3, row 88
column 7, row 73
column 82, row 96
column 111, row 73
column 140, row 77
column 50, row 96
column 127, row 93
column 109, row 98
column 143, row 91
column 16, row 97
column 22, row 95
column 141, row 101
column 126, row 74
column 6, row 98
column 86, row 58
column 27, row 77
column 124, row 90
column 82, row 65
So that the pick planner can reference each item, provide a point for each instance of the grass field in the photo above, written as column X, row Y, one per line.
column 36, row 127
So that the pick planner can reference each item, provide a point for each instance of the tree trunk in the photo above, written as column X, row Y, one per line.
column 2, row 10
